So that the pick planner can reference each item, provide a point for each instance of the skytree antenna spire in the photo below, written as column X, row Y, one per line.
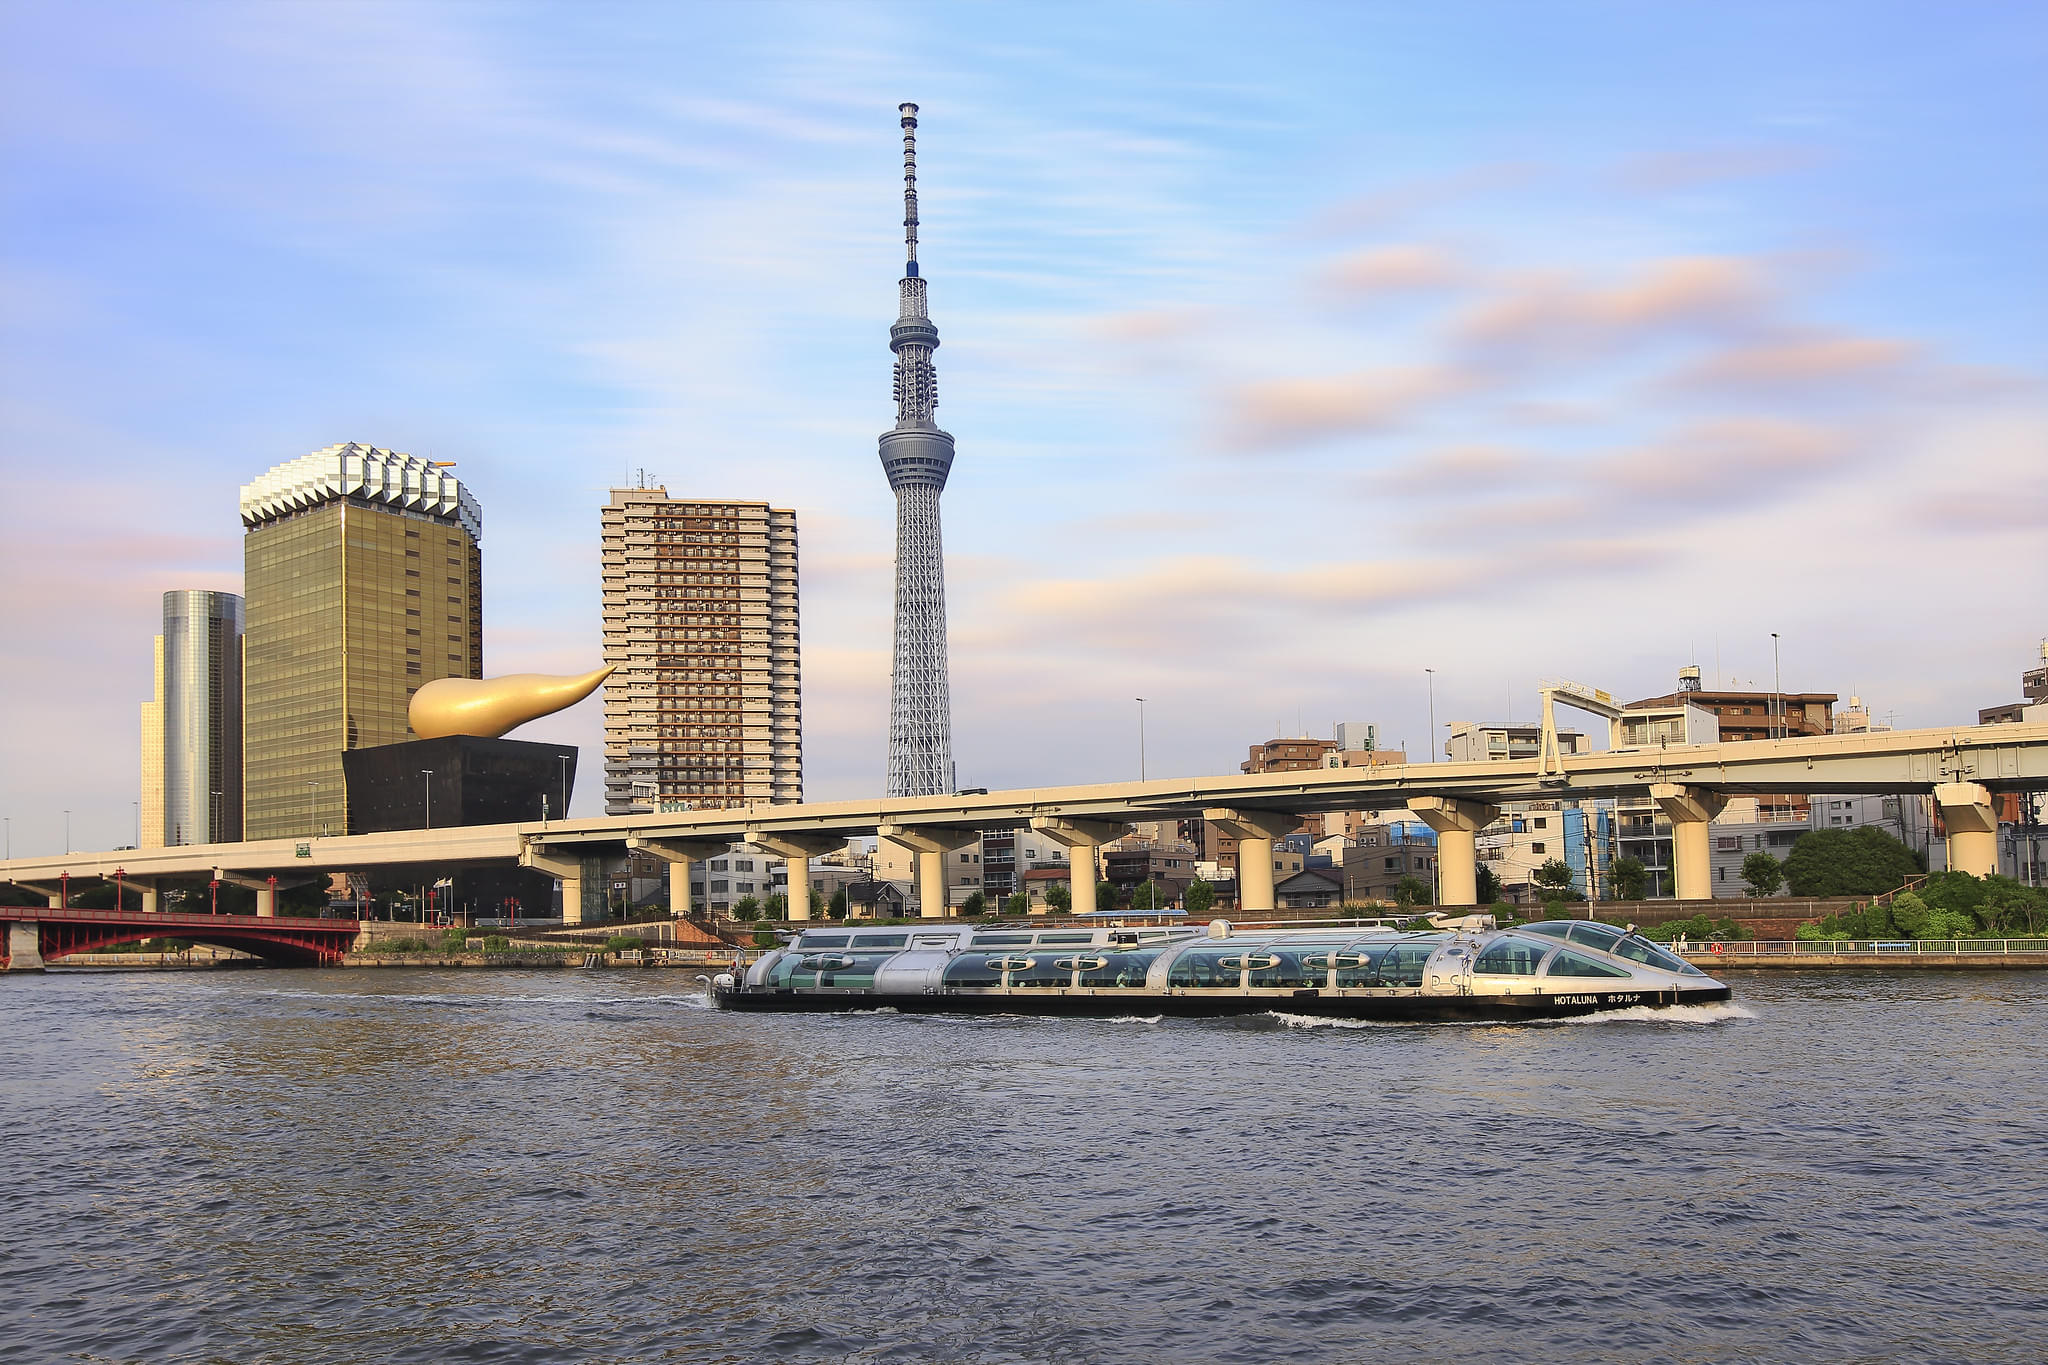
column 917, row 456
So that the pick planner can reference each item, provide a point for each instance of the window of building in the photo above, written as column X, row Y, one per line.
column 1542, row 822
column 1536, row 848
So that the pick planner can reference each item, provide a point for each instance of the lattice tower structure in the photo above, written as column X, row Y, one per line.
column 700, row 616
column 917, row 457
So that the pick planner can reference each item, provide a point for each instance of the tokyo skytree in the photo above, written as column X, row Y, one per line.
column 917, row 456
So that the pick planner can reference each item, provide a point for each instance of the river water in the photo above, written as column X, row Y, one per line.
column 356, row 1166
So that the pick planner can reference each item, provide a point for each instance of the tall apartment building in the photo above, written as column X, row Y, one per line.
column 363, row 580
column 192, row 724
column 700, row 616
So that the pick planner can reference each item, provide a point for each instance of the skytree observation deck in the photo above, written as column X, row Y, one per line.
column 917, row 457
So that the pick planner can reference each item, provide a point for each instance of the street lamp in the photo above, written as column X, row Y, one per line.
column 428, row 785
column 1141, row 738
column 1777, row 687
column 67, row 831
column 1432, row 713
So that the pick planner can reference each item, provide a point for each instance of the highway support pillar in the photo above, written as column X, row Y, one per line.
column 53, row 893
column 151, row 901
column 24, row 946
column 1080, row 838
column 931, row 844
column 264, row 887
column 1457, row 825
column 680, row 855
column 1255, row 831
column 1972, row 826
column 796, row 852
column 1689, row 809
column 582, row 879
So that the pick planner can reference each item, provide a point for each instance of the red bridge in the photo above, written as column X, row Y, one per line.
column 35, row 934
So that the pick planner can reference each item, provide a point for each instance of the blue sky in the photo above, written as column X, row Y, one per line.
column 1290, row 349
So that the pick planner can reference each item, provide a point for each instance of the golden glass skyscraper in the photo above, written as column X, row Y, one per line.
column 362, row 581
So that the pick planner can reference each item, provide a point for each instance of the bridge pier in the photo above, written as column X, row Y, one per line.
column 24, row 946
column 681, row 855
column 1972, row 827
column 265, row 889
column 151, row 903
column 1080, row 838
column 796, row 852
column 1457, row 825
column 1689, row 809
column 579, row 877
column 1255, row 831
column 931, row 844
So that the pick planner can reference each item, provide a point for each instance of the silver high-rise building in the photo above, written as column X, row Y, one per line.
column 917, row 457
column 192, row 727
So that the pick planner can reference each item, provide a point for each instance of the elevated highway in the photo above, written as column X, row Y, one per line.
column 1962, row 767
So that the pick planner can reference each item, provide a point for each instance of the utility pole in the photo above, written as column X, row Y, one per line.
column 1141, row 738
column 1777, row 688
column 1432, row 713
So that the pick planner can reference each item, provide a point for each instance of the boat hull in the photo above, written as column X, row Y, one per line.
column 1405, row 1008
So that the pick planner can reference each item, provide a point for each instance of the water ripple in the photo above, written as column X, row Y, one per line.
column 434, row 1166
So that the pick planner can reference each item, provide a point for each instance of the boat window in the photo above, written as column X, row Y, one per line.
column 1040, row 970
column 1403, row 964
column 1121, row 970
column 1591, row 935
column 1286, row 972
column 1510, row 957
column 972, row 970
column 1639, row 950
column 1549, row 928
column 1000, row 940
column 881, row 940
column 1203, row 968
column 1569, row 963
column 1359, row 965
column 812, row 941
column 1066, row 938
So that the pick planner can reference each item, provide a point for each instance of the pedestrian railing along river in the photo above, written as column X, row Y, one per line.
column 1871, row 948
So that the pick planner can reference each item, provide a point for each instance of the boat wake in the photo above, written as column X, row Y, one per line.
column 1723, row 1012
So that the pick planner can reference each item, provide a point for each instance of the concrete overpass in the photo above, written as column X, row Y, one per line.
column 1962, row 767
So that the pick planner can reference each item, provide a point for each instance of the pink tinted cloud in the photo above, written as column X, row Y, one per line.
column 1289, row 412
column 1674, row 294
column 1390, row 269
column 1817, row 359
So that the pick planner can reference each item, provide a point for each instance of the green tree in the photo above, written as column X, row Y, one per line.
column 1148, row 895
column 1630, row 879
column 1019, row 903
column 1848, row 862
column 775, row 907
column 746, row 909
column 837, row 907
column 1762, row 874
column 1555, row 879
column 1199, row 896
column 1487, row 883
column 817, row 902
column 1411, row 891
column 1058, row 898
column 975, row 906
column 1106, row 895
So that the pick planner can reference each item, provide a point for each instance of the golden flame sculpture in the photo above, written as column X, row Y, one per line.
column 488, row 707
